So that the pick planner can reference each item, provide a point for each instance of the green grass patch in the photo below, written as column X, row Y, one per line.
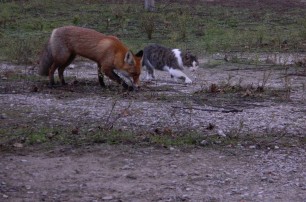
column 46, row 137
column 25, row 26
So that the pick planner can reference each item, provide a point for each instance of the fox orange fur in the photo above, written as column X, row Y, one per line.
column 65, row 43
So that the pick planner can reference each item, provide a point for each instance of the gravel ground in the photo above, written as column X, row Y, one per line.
column 131, row 173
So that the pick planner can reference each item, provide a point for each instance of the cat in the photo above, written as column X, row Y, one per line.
column 165, row 59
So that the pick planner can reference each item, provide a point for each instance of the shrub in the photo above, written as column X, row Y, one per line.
column 148, row 24
column 22, row 50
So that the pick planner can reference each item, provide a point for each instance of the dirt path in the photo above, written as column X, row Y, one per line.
column 122, row 173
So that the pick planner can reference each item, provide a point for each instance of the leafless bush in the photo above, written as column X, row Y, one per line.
column 148, row 24
column 22, row 51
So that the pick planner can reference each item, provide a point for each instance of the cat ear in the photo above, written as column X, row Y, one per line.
column 187, row 55
column 139, row 54
column 129, row 58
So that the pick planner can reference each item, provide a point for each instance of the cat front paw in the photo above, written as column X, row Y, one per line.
column 188, row 81
column 149, row 77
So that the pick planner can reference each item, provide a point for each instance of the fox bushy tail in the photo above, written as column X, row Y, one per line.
column 45, row 61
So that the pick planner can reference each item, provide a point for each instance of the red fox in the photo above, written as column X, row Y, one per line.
column 65, row 43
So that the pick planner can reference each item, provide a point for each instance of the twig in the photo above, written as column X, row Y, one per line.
column 209, row 110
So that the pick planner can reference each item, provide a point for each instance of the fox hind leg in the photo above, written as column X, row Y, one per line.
column 51, row 74
column 61, row 69
column 52, row 70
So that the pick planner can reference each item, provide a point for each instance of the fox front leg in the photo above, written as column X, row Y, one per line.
column 61, row 75
column 101, row 76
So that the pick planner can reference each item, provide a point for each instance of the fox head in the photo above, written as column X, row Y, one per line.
column 132, row 65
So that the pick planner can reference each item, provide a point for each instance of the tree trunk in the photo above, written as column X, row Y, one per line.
column 149, row 5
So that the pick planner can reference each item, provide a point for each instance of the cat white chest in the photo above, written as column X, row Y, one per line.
column 177, row 54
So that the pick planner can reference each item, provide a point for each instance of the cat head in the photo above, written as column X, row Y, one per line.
column 190, row 61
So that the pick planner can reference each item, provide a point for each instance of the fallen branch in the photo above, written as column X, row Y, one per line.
column 209, row 110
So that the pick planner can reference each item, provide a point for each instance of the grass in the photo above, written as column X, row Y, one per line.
column 202, row 28
column 45, row 137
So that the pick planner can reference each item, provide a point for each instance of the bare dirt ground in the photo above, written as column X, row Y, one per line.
column 121, row 173
column 225, row 99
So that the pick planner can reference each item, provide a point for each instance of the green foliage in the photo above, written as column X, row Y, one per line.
column 184, row 139
column 7, row 14
column 112, row 137
column 196, row 27
column 182, row 20
column 21, row 50
column 36, row 138
column 302, row 32
column 148, row 21
column 49, row 137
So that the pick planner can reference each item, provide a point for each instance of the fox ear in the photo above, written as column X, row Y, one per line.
column 139, row 54
column 129, row 58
